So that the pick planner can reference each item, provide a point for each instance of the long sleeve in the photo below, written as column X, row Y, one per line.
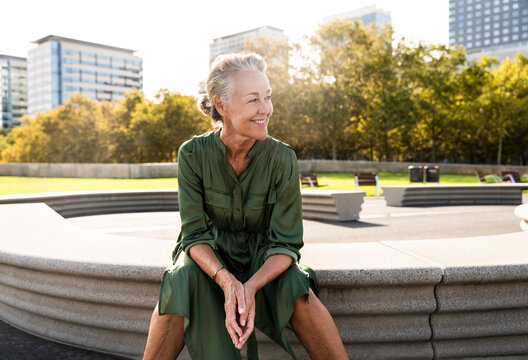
column 286, row 228
column 195, row 227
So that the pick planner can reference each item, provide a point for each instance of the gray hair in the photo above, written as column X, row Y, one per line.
column 219, row 83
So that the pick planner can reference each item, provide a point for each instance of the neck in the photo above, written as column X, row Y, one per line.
column 236, row 146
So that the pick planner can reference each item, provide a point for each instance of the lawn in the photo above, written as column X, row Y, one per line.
column 338, row 181
column 24, row 185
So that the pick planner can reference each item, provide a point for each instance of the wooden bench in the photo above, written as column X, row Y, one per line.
column 484, row 179
column 511, row 176
column 367, row 179
column 311, row 180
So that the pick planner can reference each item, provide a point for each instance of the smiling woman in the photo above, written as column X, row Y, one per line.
column 236, row 259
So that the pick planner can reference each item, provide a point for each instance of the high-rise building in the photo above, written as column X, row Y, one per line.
column 13, row 90
column 367, row 15
column 60, row 67
column 489, row 27
column 235, row 42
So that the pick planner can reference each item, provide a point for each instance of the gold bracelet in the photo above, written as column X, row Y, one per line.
column 217, row 271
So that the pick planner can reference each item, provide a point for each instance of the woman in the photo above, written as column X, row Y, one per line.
column 236, row 259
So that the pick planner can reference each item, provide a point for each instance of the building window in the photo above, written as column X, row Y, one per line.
column 505, row 23
column 496, row 25
column 505, row 38
column 469, row 30
column 515, row 37
column 478, row 43
column 495, row 40
column 487, row 42
column 487, row 27
column 515, row 21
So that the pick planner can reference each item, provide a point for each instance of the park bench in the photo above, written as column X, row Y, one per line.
column 484, row 178
column 511, row 176
column 311, row 180
column 367, row 179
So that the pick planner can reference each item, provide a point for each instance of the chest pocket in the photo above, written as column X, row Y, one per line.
column 218, row 199
column 218, row 207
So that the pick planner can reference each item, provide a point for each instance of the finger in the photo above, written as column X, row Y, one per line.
column 241, row 302
column 231, row 319
column 250, row 325
column 234, row 338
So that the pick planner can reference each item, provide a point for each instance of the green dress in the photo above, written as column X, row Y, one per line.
column 245, row 219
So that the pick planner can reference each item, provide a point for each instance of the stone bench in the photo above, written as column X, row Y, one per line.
column 463, row 194
column 454, row 298
column 316, row 204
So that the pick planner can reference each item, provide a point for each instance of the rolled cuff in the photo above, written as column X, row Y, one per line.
column 281, row 250
column 211, row 243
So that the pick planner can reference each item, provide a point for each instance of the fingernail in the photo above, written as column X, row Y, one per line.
column 243, row 322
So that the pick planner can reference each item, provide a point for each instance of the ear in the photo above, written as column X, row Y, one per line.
column 220, row 106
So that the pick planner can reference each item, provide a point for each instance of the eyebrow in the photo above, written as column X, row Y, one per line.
column 256, row 93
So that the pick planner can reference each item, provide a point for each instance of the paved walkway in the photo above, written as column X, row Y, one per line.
column 378, row 222
column 18, row 345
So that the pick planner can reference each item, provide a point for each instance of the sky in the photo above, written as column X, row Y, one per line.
column 173, row 36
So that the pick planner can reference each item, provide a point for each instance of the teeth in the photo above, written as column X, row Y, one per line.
column 259, row 121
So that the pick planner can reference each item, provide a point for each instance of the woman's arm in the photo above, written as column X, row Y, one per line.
column 233, row 289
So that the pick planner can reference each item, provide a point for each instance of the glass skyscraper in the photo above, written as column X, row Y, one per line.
column 367, row 15
column 60, row 67
column 489, row 27
column 13, row 90
column 235, row 42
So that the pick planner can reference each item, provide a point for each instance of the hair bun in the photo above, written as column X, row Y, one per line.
column 204, row 104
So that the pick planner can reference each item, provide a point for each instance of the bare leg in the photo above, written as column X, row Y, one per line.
column 316, row 329
column 165, row 337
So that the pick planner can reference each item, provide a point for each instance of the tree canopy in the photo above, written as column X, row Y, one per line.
column 352, row 92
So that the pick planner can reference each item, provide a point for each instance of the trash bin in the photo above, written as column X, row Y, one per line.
column 416, row 173
column 432, row 174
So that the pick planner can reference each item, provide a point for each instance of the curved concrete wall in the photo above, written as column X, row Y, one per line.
column 454, row 298
column 170, row 170
column 522, row 212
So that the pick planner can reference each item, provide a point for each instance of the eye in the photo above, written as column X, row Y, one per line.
column 268, row 97
column 252, row 100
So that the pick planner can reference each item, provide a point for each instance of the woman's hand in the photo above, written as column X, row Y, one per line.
column 235, row 307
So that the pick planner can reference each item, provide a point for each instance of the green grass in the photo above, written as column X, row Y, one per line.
column 25, row 185
column 338, row 181
column 345, row 181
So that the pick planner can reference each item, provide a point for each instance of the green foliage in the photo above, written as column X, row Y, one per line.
column 352, row 92
column 361, row 94
column 134, row 130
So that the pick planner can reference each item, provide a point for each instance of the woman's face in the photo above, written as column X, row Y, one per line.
column 248, row 111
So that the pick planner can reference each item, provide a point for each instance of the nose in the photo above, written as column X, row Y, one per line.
column 265, row 107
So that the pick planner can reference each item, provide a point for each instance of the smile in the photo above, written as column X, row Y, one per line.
column 260, row 122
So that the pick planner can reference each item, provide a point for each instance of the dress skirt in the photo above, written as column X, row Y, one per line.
column 187, row 291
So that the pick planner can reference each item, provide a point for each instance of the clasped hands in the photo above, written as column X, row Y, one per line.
column 239, row 307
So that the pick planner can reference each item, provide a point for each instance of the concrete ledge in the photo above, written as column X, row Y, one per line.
column 522, row 212
column 463, row 194
column 452, row 298
column 316, row 204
